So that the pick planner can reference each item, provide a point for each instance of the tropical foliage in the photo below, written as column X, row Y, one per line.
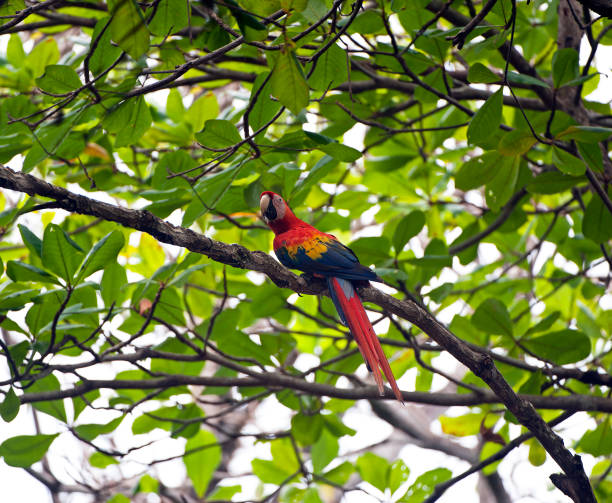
column 459, row 147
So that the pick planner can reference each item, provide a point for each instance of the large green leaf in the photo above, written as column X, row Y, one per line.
column 54, row 408
column 374, row 469
column 59, row 79
column 567, row 163
column 20, row 271
column 219, row 134
column 331, row 69
column 597, row 222
column 128, row 27
column 408, row 227
column 288, row 82
column 60, row 253
column 202, row 456
column 103, row 253
column 561, row 347
column 564, row 66
column 129, row 121
column 492, row 317
column 487, row 119
column 425, row 484
column 91, row 431
column 9, row 408
column 170, row 16
column 24, row 450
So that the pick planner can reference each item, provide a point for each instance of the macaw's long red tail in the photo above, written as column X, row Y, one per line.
column 353, row 314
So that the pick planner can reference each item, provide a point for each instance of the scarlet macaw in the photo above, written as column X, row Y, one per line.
column 299, row 245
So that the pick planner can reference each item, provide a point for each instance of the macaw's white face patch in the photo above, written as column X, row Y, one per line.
column 272, row 207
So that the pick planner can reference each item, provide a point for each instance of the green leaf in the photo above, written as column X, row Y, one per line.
column 42, row 55
column 205, row 108
column 54, row 408
column 331, row 69
column 551, row 182
column 527, row 80
column 425, row 484
column 503, row 184
column 306, row 428
column 398, row 474
column 24, row 450
column 537, row 453
column 249, row 25
column 225, row 492
column 20, row 271
column 237, row 343
column 31, row 240
column 340, row 474
column 478, row 73
column 14, row 296
column 567, row 163
column 14, row 50
column 564, row 66
column 175, row 107
column 9, row 408
column 147, row 484
column 103, row 253
column 561, row 347
column 374, row 470
column 288, row 82
column 324, row 451
column 477, row 171
column 586, row 134
column 99, row 460
column 591, row 154
column 340, row 152
column 268, row 472
column 265, row 107
column 128, row 27
column 129, row 121
column 461, row 426
column 580, row 80
column 118, row 498
column 219, row 134
column 59, row 79
column 170, row 16
column 203, row 461
column 408, row 227
column 516, row 142
column 492, row 317
column 371, row 250
column 597, row 222
column 113, row 281
column 283, row 466
column 598, row 441
column 487, row 119
column 91, row 431
column 60, row 254
column 103, row 53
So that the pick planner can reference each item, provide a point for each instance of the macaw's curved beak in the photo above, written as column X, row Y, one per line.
column 267, row 209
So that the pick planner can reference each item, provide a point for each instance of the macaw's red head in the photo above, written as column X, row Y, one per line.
column 276, row 212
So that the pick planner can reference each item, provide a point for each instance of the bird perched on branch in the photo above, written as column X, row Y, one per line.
column 299, row 245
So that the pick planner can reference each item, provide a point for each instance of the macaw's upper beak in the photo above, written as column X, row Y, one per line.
column 267, row 209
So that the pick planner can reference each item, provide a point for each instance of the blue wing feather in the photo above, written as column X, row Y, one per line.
column 337, row 260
